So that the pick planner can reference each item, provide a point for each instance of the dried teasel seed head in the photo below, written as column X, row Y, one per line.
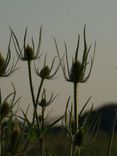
column 44, row 73
column 28, row 53
column 4, row 128
column 15, row 136
column 43, row 103
column 76, row 73
column 78, row 140
column 5, row 109
column 2, row 62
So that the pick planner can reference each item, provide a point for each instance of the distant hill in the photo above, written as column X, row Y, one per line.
column 105, row 115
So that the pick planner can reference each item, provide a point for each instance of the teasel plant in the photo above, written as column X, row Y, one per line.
column 6, row 67
column 7, row 120
column 45, row 72
column 79, row 72
column 28, row 53
column 44, row 103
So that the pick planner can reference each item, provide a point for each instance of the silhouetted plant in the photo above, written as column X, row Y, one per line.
column 5, row 68
column 76, row 74
column 18, row 134
column 28, row 54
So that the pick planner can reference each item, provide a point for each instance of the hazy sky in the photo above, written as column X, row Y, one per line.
column 64, row 19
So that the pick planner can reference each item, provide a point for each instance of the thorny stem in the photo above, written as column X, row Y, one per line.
column 35, row 102
column 71, row 149
column 75, row 151
column 38, row 94
column 75, row 107
column 31, row 84
column 31, row 89
column 39, row 90
column 42, row 137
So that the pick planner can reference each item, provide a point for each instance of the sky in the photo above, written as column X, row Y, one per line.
column 64, row 19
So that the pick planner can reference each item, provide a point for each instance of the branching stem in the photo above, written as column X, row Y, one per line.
column 38, row 94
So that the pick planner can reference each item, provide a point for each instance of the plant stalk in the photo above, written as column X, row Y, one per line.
column 39, row 90
column 30, row 81
column 75, row 107
column 31, row 90
column 38, row 94
column 42, row 137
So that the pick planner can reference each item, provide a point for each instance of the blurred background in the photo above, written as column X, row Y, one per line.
column 64, row 19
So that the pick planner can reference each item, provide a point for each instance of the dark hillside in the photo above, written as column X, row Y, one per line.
column 105, row 114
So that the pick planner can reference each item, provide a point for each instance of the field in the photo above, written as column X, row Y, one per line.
column 96, row 146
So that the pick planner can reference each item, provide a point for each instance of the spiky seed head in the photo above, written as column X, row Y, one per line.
column 15, row 136
column 76, row 72
column 2, row 62
column 5, row 109
column 43, row 103
column 28, row 53
column 78, row 140
column 4, row 128
column 44, row 73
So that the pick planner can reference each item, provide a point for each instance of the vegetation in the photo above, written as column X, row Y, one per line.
column 20, row 136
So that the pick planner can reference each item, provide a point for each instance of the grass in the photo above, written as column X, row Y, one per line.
column 93, row 146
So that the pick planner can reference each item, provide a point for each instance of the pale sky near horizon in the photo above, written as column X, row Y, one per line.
column 65, row 19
